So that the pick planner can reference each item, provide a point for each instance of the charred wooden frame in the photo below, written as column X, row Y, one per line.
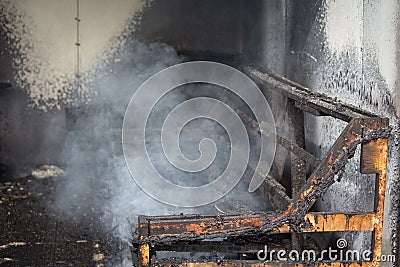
column 363, row 128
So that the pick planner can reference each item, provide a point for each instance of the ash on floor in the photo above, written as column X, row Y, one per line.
column 34, row 235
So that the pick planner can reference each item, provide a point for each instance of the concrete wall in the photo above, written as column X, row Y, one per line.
column 213, row 27
column 39, row 57
column 29, row 137
column 350, row 52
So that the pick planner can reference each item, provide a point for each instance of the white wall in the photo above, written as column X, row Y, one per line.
column 352, row 55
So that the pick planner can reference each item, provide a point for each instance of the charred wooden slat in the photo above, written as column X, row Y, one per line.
column 293, row 148
column 358, row 131
column 262, row 264
column 275, row 190
column 370, row 154
column 179, row 226
column 298, row 164
column 217, row 246
column 380, row 145
column 322, row 103
column 308, row 109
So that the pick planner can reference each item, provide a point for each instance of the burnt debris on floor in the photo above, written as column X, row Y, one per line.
column 32, row 234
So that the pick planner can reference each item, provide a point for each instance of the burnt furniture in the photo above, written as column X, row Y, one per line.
column 156, row 233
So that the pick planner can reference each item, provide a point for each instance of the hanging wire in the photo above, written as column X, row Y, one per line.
column 78, row 44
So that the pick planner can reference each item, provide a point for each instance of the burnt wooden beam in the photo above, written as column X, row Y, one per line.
column 262, row 264
column 275, row 192
column 315, row 103
column 298, row 164
column 172, row 227
column 220, row 246
column 290, row 146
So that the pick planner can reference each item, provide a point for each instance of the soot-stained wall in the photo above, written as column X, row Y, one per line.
column 39, row 57
column 350, row 52
column 347, row 50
